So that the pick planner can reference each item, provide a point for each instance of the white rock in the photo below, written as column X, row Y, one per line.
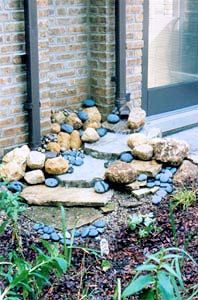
column 34, row 177
column 90, row 135
column 12, row 171
column 136, row 118
column 36, row 160
column 143, row 152
column 19, row 155
column 137, row 139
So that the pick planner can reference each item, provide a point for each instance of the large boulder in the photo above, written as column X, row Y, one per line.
column 56, row 166
column 90, row 135
column 64, row 141
column 75, row 142
column 93, row 114
column 74, row 120
column 12, row 171
column 150, row 168
column 187, row 174
column 136, row 119
column 19, row 155
column 34, row 177
column 120, row 172
column 55, row 128
column 136, row 139
column 58, row 117
column 36, row 160
column 53, row 147
column 143, row 152
column 170, row 150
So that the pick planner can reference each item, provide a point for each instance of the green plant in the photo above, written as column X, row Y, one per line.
column 184, row 198
column 145, row 224
column 20, row 277
column 11, row 207
column 159, row 277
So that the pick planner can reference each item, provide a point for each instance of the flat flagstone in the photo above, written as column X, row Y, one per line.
column 144, row 192
column 108, row 147
column 84, row 175
column 74, row 216
column 43, row 195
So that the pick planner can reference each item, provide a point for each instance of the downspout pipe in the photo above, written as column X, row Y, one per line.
column 32, row 62
column 120, row 57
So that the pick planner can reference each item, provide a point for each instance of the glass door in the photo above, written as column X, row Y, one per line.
column 172, row 77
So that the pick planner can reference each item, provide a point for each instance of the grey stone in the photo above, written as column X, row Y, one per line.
column 93, row 233
column 85, row 232
column 161, row 193
column 150, row 184
column 54, row 237
column 156, row 199
column 126, row 157
column 99, row 223
column 101, row 187
column 142, row 177
column 164, row 178
column 45, row 236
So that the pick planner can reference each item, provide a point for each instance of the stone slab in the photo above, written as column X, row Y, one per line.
column 75, row 216
column 108, row 147
column 84, row 175
column 43, row 195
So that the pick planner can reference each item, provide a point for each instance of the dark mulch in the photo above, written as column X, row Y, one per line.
column 127, row 251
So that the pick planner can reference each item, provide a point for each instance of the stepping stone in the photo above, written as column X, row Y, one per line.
column 85, row 175
column 42, row 195
column 108, row 147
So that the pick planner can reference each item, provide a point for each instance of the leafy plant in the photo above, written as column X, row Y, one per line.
column 144, row 224
column 12, row 208
column 21, row 277
column 159, row 277
column 184, row 198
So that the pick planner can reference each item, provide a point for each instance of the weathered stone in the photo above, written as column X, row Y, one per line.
column 90, row 135
column 93, row 114
column 34, row 177
column 144, row 151
column 111, row 206
column 36, row 160
column 74, row 120
column 186, row 174
column 55, row 128
column 12, row 171
column 57, row 165
column 19, row 155
column 140, row 193
column 92, row 124
column 136, row 139
column 136, row 118
column 136, row 185
column 53, row 147
column 75, row 141
column 150, row 168
column 170, row 150
column 121, row 173
column 58, row 117
column 64, row 141
column 43, row 195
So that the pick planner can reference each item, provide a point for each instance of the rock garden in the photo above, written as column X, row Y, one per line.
column 104, row 209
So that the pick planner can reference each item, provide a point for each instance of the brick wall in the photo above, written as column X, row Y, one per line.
column 76, row 59
column 134, row 45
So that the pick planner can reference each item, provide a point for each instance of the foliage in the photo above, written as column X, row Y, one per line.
column 25, row 278
column 159, row 277
column 184, row 198
column 11, row 207
column 145, row 224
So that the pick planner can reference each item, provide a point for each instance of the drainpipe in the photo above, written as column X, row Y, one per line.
column 120, row 55
column 33, row 99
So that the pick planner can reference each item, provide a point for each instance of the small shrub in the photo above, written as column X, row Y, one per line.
column 159, row 277
column 20, row 277
column 11, row 207
column 145, row 224
column 184, row 198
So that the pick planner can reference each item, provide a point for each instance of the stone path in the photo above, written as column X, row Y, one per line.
column 84, row 175
column 42, row 195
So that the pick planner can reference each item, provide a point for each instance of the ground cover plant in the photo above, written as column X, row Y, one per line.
column 77, row 273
